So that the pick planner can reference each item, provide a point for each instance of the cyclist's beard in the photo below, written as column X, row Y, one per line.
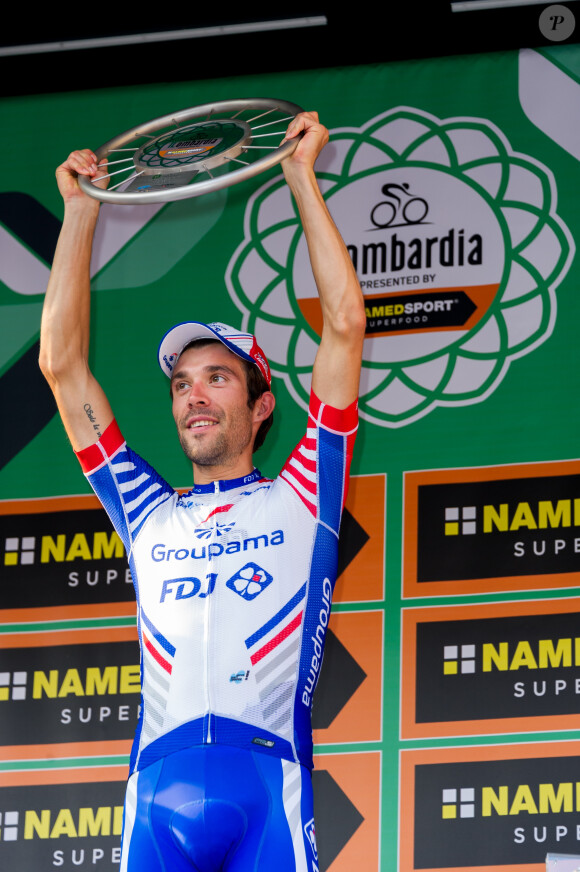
column 223, row 443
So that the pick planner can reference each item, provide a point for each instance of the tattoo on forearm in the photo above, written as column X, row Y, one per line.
column 91, row 416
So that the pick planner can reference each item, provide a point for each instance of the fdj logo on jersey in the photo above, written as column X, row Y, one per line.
column 250, row 581
column 444, row 243
column 184, row 588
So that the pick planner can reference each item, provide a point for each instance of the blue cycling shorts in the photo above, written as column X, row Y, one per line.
column 218, row 808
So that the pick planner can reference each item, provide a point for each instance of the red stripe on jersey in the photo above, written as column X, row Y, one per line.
column 292, row 471
column 310, row 504
column 92, row 457
column 157, row 656
column 293, row 474
column 217, row 511
column 275, row 641
column 339, row 420
column 112, row 439
column 314, row 405
column 307, row 463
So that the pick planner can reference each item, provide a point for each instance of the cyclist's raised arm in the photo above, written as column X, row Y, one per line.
column 336, row 373
column 64, row 335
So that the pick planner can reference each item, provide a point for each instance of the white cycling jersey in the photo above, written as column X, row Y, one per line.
column 234, row 582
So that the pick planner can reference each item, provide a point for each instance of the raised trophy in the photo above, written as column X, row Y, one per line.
column 193, row 152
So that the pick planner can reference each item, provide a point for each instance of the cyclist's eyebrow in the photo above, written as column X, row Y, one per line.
column 220, row 367
column 210, row 369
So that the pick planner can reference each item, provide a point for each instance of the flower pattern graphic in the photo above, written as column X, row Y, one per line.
column 474, row 176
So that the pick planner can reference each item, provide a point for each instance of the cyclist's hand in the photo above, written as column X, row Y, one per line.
column 315, row 137
column 78, row 163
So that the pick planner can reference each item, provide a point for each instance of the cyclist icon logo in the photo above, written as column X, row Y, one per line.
column 400, row 208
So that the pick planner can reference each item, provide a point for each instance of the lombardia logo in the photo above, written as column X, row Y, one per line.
column 457, row 247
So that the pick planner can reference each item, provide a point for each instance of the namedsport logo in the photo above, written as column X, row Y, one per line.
column 456, row 244
column 493, row 812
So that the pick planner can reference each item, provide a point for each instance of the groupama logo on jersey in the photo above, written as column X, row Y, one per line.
column 217, row 529
column 457, row 246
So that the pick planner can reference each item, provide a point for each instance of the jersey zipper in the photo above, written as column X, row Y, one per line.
column 209, row 739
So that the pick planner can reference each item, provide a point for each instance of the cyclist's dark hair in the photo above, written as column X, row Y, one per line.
column 255, row 383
